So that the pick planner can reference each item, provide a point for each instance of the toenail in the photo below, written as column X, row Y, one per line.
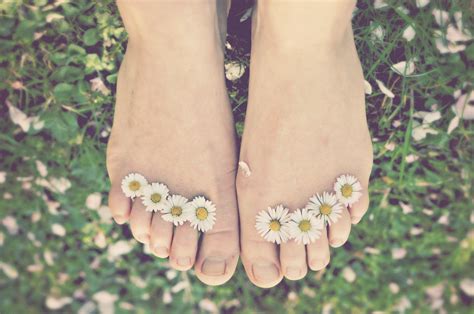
column 144, row 238
column 183, row 261
column 214, row 266
column 318, row 264
column 293, row 272
column 265, row 272
column 120, row 220
column 161, row 251
column 337, row 242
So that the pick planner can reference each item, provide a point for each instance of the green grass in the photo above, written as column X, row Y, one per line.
column 49, row 54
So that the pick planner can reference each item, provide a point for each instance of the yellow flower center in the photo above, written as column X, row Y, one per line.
column 134, row 185
column 304, row 225
column 176, row 211
column 346, row 190
column 155, row 197
column 325, row 209
column 201, row 213
column 275, row 225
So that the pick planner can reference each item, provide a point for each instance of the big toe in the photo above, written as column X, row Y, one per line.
column 261, row 263
column 219, row 249
column 218, row 257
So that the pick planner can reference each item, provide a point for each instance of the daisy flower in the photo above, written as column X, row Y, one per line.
column 154, row 196
column 133, row 184
column 305, row 228
column 176, row 210
column 325, row 207
column 348, row 189
column 202, row 214
column 273, row 224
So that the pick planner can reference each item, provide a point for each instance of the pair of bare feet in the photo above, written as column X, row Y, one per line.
column 305, row 125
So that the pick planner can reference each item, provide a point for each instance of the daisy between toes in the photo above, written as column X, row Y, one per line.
column 177, row 209
column 305, row 225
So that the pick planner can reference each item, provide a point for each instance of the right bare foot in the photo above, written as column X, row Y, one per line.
column 173, row 124
column 305, row 126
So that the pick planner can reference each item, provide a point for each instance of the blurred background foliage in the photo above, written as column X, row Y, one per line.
column 60, row 251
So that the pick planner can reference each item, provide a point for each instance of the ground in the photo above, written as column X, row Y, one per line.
column 59, row 249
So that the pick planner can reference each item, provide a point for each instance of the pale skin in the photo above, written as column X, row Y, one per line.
column 305, row 125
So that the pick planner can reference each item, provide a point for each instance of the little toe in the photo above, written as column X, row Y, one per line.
column 183, row 247
column 119, row 204
column 161, row 234
column 293, row 260
column 140, row 221
column 359, row 209
column 318, row 252
column 339, row 231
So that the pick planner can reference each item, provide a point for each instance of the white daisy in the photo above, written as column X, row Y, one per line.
column 202, row 214
column 133, row 184
column 305, row 228
column 154, row 196
column 273, row 224
column 348, row 189
column 176, row 210
column 325, row 207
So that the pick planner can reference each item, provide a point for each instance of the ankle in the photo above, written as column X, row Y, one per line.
column 173, row 25
column 296, row 24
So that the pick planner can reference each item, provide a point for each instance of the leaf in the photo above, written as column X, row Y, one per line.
column 91, row 37
column 59, row 58
column 63, row 126
column 93, row 63
column 67, row 74
column 6, row 26
column 112, row 78
column 63, row 92
column 75, row 50
column 25, row 31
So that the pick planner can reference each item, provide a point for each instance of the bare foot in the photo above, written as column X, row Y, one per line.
column 173, row 124
column 305, row 126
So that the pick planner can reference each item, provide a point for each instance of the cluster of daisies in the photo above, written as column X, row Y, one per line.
column 200, row 212
column 305, row 225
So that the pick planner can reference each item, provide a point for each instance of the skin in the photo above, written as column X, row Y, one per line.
column 299, row 140
column 174, row 125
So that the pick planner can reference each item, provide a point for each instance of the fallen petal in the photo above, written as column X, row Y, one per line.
column 404, row 68
column 384, row 89
column 367, row 88
column 463, row 107
column 453, row 124
column 409, row 33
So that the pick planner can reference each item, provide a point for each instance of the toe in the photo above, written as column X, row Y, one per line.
column 260, row 258
column 261, row 262
column 183, row 247
column 218, row 257
column 140, row 221
column 293, row 260
column 339, row 231
column 318, row 253
column 360, row 208
column 119, row 204
column 219, row 249
column 161, row 234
